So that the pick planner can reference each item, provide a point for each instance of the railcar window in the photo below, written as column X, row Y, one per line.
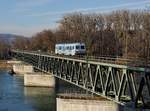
column 77, row 47
column 59, row 47
column 72, row 47
column 67, row 47
column 63, row 48
column 82, row 47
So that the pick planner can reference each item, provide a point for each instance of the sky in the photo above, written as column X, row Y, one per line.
column 27, row 17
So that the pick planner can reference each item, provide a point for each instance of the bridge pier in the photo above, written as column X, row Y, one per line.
column 14, row 62
column 22, row 68
column 66, row 104
column 31, row 78
column 39, row 79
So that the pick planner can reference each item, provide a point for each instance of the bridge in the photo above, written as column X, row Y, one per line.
column 124, row 84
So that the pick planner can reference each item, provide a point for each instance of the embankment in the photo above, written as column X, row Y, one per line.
column 4, row 65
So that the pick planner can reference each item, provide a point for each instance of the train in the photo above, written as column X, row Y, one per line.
column 70, row 49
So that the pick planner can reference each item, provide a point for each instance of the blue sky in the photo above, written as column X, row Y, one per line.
column 26, row 17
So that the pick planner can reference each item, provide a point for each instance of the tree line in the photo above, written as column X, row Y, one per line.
column 4, row 50
column 119, row 33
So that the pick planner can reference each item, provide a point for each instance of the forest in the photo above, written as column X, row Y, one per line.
column 120, row 33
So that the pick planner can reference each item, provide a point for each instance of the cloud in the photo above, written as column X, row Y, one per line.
column 132, row 5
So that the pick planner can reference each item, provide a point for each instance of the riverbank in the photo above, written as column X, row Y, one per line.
column 4, row 65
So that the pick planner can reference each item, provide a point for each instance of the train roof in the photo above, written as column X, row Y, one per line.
column 77, row 43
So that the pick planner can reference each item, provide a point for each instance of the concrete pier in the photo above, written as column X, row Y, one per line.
column 64, row 104
column 23, row 68
column 31, row 78
column 39, row 80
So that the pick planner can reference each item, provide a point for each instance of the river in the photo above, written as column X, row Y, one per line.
column 15, row 97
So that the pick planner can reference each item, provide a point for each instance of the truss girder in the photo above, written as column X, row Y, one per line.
column 111, row 82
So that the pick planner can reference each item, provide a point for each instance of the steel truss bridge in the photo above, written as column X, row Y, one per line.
column 122, row 84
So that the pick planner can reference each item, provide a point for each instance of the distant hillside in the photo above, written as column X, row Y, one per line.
column 8, row 37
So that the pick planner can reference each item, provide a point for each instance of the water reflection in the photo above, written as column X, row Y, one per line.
column 41, row 99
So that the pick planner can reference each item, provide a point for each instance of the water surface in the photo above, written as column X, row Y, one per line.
column 15, row 97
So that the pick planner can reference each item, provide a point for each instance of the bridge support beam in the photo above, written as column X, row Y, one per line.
column 38, row 79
